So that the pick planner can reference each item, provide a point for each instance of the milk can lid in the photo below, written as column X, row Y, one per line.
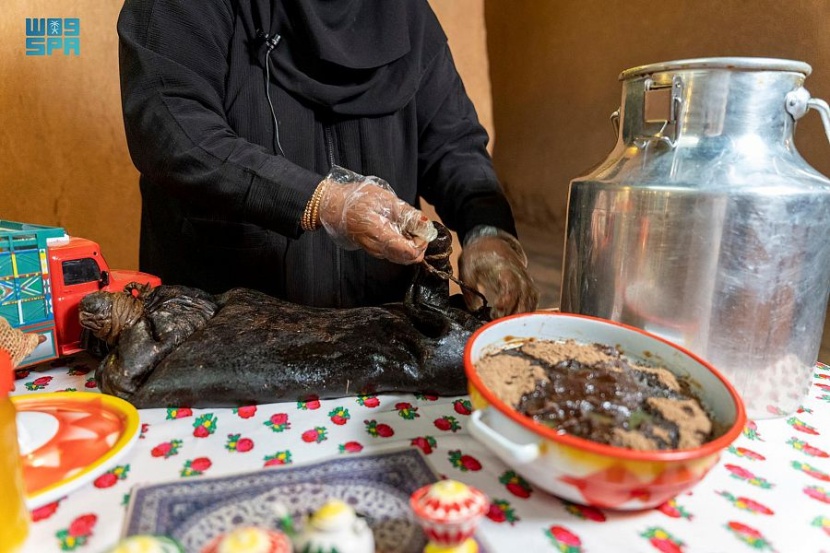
column 733, row 64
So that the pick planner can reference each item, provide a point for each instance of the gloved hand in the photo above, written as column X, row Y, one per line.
column 493, row 262
column 364, row 212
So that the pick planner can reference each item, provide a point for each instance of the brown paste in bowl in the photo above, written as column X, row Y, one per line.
column 593, row 392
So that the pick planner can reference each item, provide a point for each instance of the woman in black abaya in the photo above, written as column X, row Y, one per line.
column 284, row 145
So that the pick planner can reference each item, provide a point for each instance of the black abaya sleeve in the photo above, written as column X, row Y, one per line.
column 173, row 60
column 456, row 172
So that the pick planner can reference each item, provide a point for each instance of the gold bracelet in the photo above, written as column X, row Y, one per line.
column 315, row 209
column 311, row 214
column 306, row 219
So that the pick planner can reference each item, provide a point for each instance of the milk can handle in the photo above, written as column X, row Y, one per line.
column 615, row 122
column 799, row 101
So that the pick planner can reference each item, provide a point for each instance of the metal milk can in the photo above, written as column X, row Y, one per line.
column 705, row 226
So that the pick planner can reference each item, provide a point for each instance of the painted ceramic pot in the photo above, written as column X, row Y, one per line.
column 147, row 544
column 581, row 470
column 250, row 539
column 449, row 511
column 335, row 528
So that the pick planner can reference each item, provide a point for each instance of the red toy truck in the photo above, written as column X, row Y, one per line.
column 43, row 275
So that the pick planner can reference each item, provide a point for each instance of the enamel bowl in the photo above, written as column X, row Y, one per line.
column 580, row 470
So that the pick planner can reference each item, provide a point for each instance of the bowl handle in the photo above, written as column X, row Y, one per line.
column 508, row 450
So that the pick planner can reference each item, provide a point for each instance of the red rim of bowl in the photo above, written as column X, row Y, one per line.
column 709, row 448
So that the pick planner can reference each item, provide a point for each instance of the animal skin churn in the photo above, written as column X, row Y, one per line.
column 705, row 226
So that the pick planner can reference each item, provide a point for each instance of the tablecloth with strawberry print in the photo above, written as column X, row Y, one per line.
column 769, row 492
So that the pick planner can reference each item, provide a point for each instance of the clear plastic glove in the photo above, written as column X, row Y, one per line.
column 494, row 263
column 364, row 212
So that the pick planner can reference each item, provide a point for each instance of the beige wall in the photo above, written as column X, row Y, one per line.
column 553, row 65
column 554, row 68
column 463, row 22
column 64, row 156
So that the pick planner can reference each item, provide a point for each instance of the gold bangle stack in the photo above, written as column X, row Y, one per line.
column 311, row 214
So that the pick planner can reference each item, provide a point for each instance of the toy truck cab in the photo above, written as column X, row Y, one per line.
column 44, row 274
column 78, row 268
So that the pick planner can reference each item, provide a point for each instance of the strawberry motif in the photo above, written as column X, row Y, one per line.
column 749, row 535
column 106, row 480
column 818, row 493
column 501, row 511
column 751, row 431
column 350, row 447
column 310, row 404
column 824, row 397
column 748, row 476
column 246, row 411
column 564, row 540
column 78, row 532
column 802, row 426
column 663, row 541
column 447, row 424
column 111, row 477
column 427, row 397
column 179, row 412
column 46, row 511
column 811, row 471
column 166, row 449
column 746, row 453
column 672, row 509
column 80, row 370
column 746, row 504
column 819, row 522
column 144, row 429
column 90, row 383
column 584, row 512
column 775, row 411
column 278, row 422
column 406, row 411
column 278, row 458
column 339, row 416
column 205, row 425
column 822, row 376
column 378, row 430
column 802, row 409
column 515, row 484
column 368, row 401
column 807, row 449
column 83, row 525
column 68, row 390
column 823, row 386
column 195, row 467
column 425, row 443
column 38, row 383
column 318, row 434
column 201, row 464
column 242, row 445
column 462, row 406
column 463, row 462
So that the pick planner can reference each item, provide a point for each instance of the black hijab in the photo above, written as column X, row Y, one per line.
column 354, row 57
